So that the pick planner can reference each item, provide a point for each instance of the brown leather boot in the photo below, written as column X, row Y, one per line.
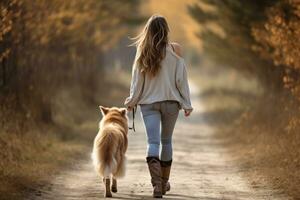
column 114, row 187
column 165, row 174
column 107, row 192
column 155, row 172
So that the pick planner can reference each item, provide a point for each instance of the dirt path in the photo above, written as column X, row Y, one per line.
column 202, row 168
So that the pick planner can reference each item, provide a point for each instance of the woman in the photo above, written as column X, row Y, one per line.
column 159, row 85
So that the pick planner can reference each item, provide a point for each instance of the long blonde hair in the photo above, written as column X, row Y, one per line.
column 151, row 44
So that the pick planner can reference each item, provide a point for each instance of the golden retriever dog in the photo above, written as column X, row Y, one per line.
column 110, row 146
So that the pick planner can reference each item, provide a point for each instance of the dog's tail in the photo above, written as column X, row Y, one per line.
column 105, row 147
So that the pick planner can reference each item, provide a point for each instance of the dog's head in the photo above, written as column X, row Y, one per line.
column 114, row 114
column 113, row 110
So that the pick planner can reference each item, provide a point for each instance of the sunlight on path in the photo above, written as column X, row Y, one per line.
column 202, row 168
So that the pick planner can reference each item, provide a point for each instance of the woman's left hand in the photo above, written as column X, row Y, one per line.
column 187, row 112
column 129, row 108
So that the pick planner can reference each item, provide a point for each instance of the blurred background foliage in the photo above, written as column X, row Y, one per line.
column 48, row 45
column 52, row 45
column 227, row 35
column 259, row 38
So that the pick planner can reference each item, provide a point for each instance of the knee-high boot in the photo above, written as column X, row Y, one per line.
column 165, row 174
column 155, row 172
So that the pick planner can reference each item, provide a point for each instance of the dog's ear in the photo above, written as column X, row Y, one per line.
column 104, row 110
column 123, row 111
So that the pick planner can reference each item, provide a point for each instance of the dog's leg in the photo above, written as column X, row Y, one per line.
column 107, row 192
column 114, row 185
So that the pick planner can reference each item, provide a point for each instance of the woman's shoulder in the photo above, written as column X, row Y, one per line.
column 176, row 49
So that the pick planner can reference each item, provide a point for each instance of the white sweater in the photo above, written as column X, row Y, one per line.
column 170, row 83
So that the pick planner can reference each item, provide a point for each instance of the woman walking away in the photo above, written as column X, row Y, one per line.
column 159, row 85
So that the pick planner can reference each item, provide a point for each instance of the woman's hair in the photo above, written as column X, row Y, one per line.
column 151, row 45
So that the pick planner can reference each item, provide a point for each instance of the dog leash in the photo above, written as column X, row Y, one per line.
column 133, row 116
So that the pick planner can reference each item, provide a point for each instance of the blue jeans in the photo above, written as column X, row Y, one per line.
column 159, row 119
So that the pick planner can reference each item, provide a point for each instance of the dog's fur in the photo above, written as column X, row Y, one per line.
column 110, row 146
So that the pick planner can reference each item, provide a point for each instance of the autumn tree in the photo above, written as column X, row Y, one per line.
column 278, row 38
column 261, row 37
column 226, row 33
column 47, row 45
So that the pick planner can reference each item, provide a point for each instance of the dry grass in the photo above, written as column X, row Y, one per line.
column 31, row 158
column 267, row 147
column 262, row 138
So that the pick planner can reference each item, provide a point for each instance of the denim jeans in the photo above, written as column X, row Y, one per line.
column 159, row 119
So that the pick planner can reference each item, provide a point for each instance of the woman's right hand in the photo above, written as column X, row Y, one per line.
column 187, row 112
